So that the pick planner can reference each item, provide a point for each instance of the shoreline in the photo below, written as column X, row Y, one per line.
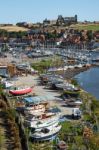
column 71, row 73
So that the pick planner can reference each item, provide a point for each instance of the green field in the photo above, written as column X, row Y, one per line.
column 93, row 27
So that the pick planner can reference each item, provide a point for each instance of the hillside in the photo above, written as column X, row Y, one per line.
column 93, row 27
column 13, row 28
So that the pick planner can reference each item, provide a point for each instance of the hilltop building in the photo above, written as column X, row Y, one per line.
column 6, row 24
column 46, row 22
column 66, row 20
column 60, row 21
column 22, row 24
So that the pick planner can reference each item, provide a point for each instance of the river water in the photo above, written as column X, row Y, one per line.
column 89, row 81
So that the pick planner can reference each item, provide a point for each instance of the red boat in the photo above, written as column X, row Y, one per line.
column 21, row 91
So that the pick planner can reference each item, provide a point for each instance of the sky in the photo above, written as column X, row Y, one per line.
column 32, row 11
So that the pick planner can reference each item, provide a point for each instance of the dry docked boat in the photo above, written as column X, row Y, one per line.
column 76, row 103
column 20, row 105
column 38, row 123
column 35, row 109
column 20, row 91
column 31, row 110
column 62, row 145
column 45, row 134
column 41, row 116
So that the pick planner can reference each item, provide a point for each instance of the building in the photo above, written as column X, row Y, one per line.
column 60, row 20
column 53, row 22
column 96, row 34
column 3, row 71
column 66, row 20
column 6, row 24
column 46, row 22
column 11, row 70
column 49, row 22
column 22, row 24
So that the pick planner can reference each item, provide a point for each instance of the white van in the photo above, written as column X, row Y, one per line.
column 76, row 113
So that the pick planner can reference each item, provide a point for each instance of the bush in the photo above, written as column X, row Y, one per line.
column 71, row 93
column 74, row 82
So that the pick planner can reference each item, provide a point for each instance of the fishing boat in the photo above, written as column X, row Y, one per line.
column 74, row 103
column 60, row 86
column 95, row 59
column 41, row 123
column 66, row 86
column 20, row 91
column 35, row 109
column 45, row 134
column 41, row 116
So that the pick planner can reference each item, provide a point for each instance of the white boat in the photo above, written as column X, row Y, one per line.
column 60, row 86
column 40, row 116
column 40, row 123
column 78, row 102
column 35, row 109
column 74, row 103
column 65, row 86
column 47, row 125
column 45, row 134
column 7, row 84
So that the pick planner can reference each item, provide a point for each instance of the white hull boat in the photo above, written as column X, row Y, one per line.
column 35, row 109
column 41, row 116
column 45, row 134
column 42, row 123
column 48, row 126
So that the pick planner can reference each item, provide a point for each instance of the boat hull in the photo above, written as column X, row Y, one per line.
column 35, row 110
column 20, row 92
column 45, row 138
column 45, row 125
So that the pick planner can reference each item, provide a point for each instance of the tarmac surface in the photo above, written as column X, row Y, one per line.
column 33, row 81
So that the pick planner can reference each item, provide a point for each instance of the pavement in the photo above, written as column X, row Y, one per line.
column 33, row 81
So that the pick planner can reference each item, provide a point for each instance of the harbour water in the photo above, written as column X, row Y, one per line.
column 89, row 81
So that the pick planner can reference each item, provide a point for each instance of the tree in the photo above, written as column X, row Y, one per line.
column 90, row 35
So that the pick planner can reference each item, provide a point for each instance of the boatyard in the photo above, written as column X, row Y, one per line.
column 33, row 81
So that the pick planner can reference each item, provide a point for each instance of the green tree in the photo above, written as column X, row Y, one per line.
column 90, row 35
